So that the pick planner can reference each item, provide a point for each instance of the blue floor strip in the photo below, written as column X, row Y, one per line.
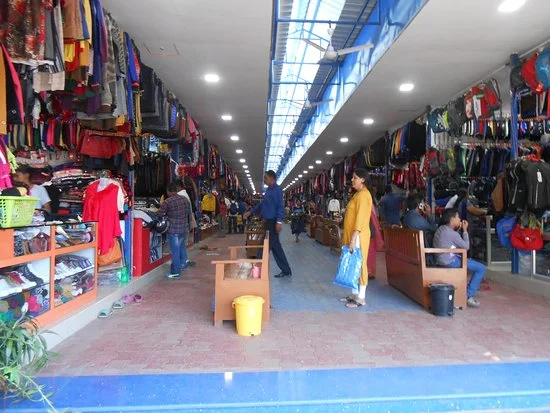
column 524, row 386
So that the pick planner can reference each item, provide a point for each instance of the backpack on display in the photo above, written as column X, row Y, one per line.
column 542, row 68
column 492, row 96
column 450, row 160
column 456, row 116
column 233, row 208
column 436, row 120
column 433, row 162
column 529, row 74
column 504, row 230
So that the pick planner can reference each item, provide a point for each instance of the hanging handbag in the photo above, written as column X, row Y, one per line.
column 114, row 255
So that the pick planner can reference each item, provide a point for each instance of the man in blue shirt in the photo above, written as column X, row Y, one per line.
column 272, row 210
column 391, row 206
column 419, row 216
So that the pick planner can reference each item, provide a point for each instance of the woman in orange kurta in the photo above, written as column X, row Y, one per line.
column 357, row 229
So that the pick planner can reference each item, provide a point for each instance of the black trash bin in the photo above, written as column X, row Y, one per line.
column 443, row 299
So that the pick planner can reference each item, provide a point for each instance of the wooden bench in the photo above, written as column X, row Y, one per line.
column 234, row 279
column 254, row 234
column 407, row 270
column 335, row 234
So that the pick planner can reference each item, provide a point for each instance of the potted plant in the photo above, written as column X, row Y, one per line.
column 23, row 353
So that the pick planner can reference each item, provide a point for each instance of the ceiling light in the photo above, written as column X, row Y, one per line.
column 299, row 176
column 344, row 140
column 234, row 138
column 227, row 117
column 406, row 87
column 305, row 172
column 242, row 160
column 246, row 171
column 510, row 6
column 318, row 162
column 310, row 166
column 245, row 166
column 212, row 78
column 368, row 121
column 329, row 152
column 239, row 151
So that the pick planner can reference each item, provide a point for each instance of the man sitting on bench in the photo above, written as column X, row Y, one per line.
column 448, row 236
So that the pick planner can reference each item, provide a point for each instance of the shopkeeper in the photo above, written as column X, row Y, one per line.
column 23, row 176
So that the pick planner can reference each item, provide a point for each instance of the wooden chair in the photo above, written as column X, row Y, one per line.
column 407, row 270
column 234, row 279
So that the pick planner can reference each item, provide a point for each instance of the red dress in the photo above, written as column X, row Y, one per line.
column 102, row 207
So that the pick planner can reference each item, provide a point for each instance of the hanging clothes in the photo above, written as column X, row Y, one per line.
column 101, row 205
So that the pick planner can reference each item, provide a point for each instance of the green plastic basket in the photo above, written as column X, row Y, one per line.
column 16, row 211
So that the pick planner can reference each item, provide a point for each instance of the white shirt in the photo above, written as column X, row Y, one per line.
column 334, row 205
column 38, row 191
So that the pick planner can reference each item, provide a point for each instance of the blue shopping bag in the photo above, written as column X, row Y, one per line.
column 349, row 269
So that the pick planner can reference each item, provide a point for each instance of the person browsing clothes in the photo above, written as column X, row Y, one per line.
column 272, row 210
column 177, row 210
column 454, row 234
column 357, row 233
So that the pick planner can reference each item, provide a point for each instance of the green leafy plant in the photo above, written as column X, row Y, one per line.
column 23, row 353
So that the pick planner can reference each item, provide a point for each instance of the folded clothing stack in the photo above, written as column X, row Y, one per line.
column 70, row 265
column 17, row 279
column 31, row 241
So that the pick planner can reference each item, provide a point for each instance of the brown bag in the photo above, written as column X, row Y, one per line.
column 114, row 255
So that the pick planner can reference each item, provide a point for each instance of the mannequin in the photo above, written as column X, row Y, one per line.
column 334, row 206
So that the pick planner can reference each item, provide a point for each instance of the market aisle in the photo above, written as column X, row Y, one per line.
column 171, row 331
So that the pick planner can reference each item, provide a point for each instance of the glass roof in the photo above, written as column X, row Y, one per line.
column 298, row 71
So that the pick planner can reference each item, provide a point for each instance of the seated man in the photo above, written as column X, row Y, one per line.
column 419, row 216
column 447, row 236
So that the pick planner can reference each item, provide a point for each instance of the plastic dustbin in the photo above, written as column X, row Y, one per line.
column 443, row 299
column 248, row 313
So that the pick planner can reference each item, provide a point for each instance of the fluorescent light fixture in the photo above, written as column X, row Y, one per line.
column 242, row 160
column 368, row 121
column 510, row 6
column 305, row 172
column 329, row 152
column 246, row 171
column 234, row 138
column 299, row 176
column 227, row 118
column 318, row 162
column 245, row 166
column 406, row 87
column 310, row 166
column 239, row 151
column 343, row 140
column 212, row 78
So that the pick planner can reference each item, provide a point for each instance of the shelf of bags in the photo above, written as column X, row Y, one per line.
column 24, row 259
column 74, row 248
column 63, row 276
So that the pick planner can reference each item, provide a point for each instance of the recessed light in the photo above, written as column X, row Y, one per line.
column 245, row 166
column 239, row 151
column 329, row 152
column 510, row 6
column 242, row 160
column 310, row 166
column 299, row 176
column 344, row 140
column 406, row 87
column 246, row 171
column 227, row 117
column 368, row 121
column 318, row 162
column 212, row 78
column 305, row 172
column 234, row 138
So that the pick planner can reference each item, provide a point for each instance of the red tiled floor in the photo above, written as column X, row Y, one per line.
column 171, row 331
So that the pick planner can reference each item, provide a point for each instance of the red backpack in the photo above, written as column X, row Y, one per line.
column 529, row 74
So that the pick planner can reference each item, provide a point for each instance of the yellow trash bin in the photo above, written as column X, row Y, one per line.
column 248, row 313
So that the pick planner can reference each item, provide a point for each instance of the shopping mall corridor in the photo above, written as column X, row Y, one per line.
column 153, row 355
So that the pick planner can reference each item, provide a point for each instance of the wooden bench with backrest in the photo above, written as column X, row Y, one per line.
column 406, row 264
column 254, row 234
column 234, row 279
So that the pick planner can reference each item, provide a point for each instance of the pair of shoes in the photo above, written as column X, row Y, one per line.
column 358, row 302
column 472, row 302
column 283, row 274
column 349, row 299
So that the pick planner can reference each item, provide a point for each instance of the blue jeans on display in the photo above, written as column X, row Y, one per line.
column 178, row 248
column 478, row 275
